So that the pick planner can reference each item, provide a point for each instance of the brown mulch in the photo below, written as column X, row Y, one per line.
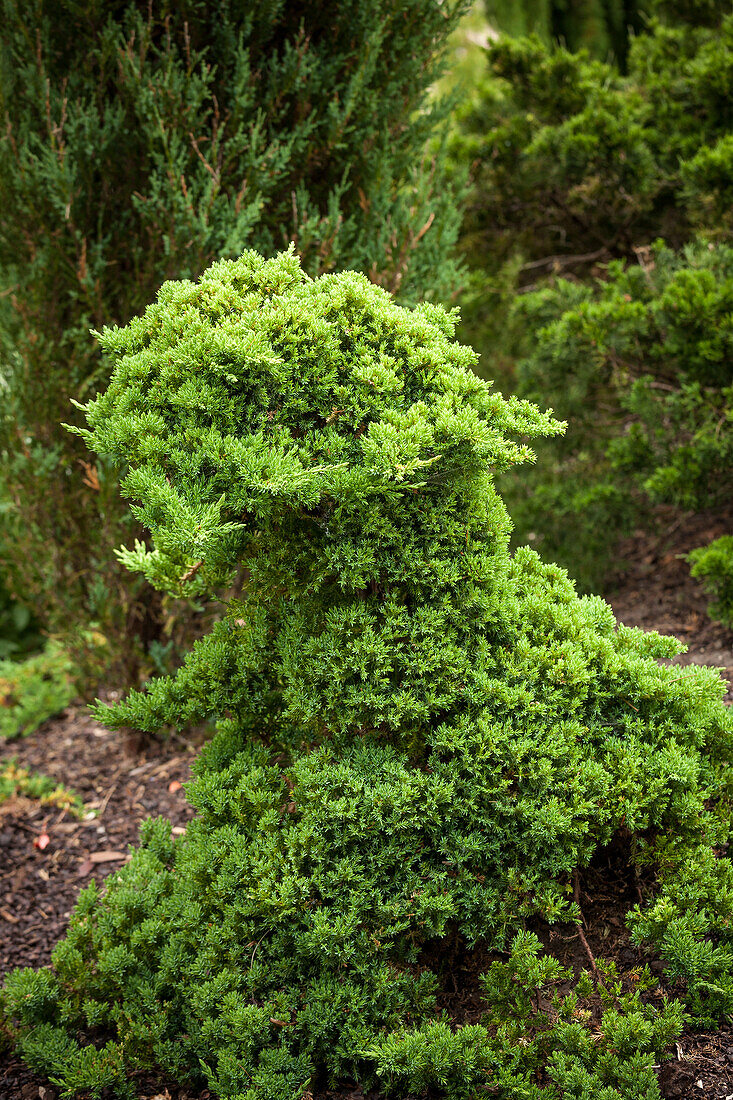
column 703, row 1068
column 120, row 788
column 121, row 783
column 125, row 782
column 656, row 591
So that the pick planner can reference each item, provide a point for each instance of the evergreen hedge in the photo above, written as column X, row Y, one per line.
column 143, row 140
column 572, row 162
column 422, row 738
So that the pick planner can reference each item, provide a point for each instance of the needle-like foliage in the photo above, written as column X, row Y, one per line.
column 582, row 171
column 421, row 738
column 141, row 141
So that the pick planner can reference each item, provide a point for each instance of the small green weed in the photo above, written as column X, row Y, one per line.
column 15, row 780
column 33, row 690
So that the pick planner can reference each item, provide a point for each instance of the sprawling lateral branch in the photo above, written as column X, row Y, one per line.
column 421, row 737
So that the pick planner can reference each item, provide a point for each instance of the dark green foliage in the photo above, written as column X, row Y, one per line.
column 697, row 13
column 19, row 632
column 639, row 363
column 572, row 162
column 420, row 738
column 601, row 26
column 144, row 140
column 713, row 564
column 557, row 1041
column 593, row 167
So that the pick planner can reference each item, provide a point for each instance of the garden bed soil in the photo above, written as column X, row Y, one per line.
column 654, row 589
column 125, row 781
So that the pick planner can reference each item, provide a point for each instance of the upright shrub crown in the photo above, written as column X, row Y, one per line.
column 260, row 395
column 338, row 447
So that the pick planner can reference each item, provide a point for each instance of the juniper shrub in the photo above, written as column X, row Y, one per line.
column 572, row 162
column 421, row 736
column 638, row 361
column 713, row 564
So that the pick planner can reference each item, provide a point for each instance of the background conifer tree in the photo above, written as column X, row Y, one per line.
column 143, row 140
column 577, row 172
column 603, row 27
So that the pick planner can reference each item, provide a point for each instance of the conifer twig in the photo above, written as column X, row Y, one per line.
column 637, row 884
column 191, row 572
column 581, row 933
column 549, row 261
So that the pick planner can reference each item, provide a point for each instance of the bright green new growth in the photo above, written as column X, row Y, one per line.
column 420, row 737
column 713, row 564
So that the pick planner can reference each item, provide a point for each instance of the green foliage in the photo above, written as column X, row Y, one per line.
column 573, row 162
column 520, row 18
column 18, row 632
column 600, row 1040
column 695, row 12
column 19, row 781
column 601, row 26
column 713, row 564
column 688, row 923
column 33, row 690
column 639, row 364
column 421, row 737
column 140, row 141
column 578, row 172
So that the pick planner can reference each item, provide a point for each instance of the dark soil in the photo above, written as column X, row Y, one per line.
column 126, row 781
column 119, row 787
column 656, row 592
column 123, row 783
